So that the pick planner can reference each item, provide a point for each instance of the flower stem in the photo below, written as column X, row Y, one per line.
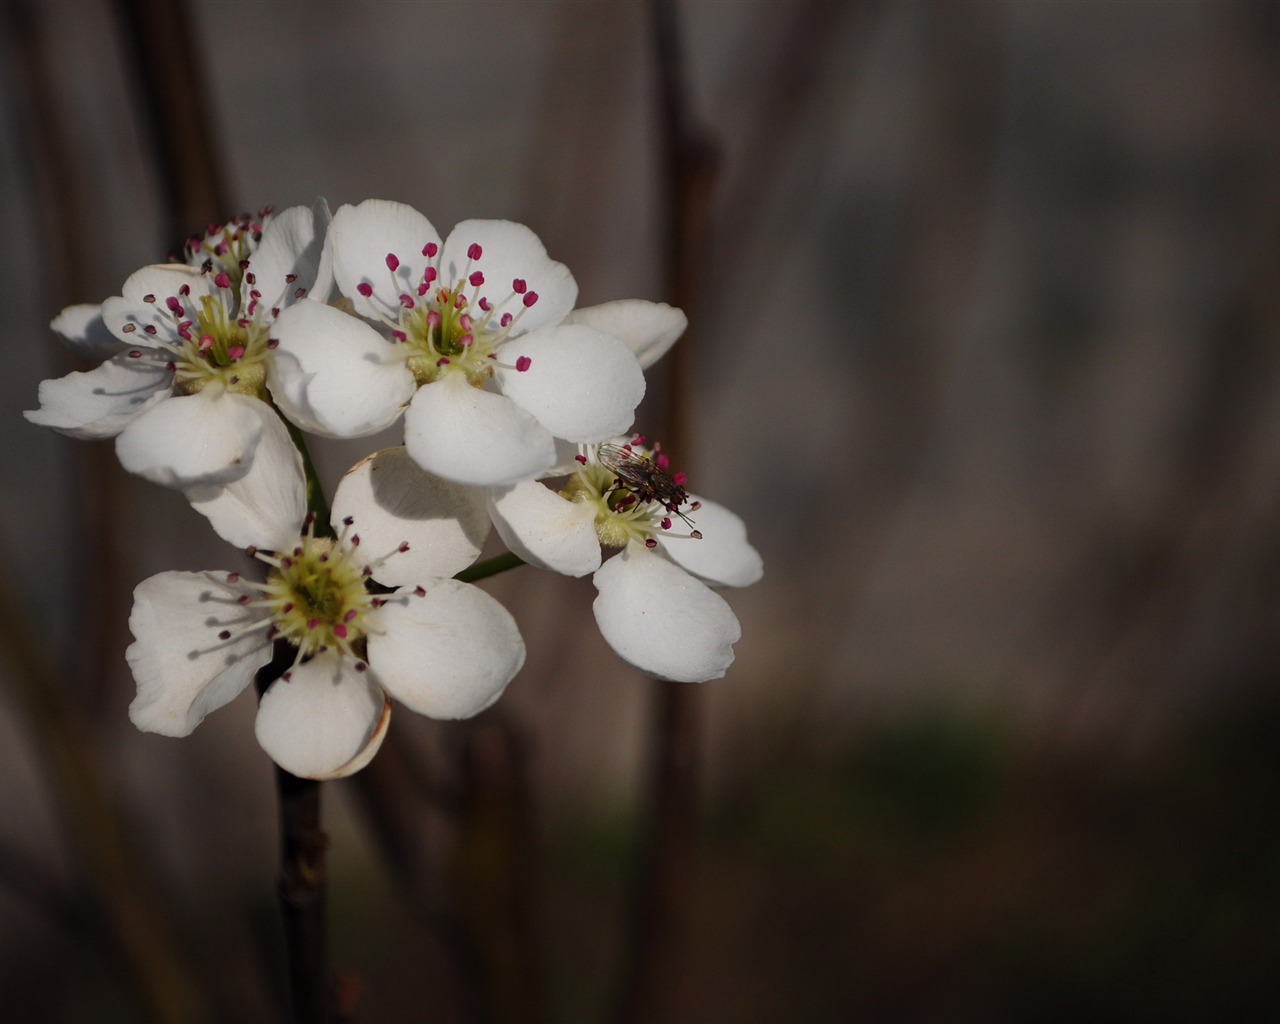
column 490, row 567
column 301, row 885
column 317, row 505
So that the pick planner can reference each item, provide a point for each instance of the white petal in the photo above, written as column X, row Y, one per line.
column 190, row 440
column 474, row 437
column 291, row 246
column 567, row 453
column 448, row 654
column 662, row 620
column 581, row 384
column 360, row 239
column 545, row 529
column 322, row 288
column 143, row 303
column 648, row 328
column 510, row 251
column 85, row 333
column 391, row 501
column 183, row 670
column 325, row 721
column 266, row 507
column 335, row 375
column 101, row 402
column 722, row 558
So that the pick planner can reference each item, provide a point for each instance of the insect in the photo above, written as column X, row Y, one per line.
column 646, row 480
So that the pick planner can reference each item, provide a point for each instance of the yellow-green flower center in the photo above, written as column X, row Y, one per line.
column 634, row 501
column 317, row 599
column 453, row 326
column 219, row 348
column 445, row 338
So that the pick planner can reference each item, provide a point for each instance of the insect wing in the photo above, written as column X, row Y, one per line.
column 632, row 469
column 642, row 475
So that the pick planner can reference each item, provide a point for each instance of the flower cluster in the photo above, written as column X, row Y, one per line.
column 210, row 372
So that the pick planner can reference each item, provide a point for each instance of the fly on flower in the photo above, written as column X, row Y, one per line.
column 647, row 479
column 656, row 605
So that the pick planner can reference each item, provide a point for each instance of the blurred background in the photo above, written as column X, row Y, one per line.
column 985, row 312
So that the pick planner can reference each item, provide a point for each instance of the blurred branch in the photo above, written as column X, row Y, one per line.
column 475, row 900
column 68, row 274
column 1149, row 577
column 116, row 869
column 785, row 97
column 664, row 877
column 398, row 801
column 491, row 868
column 136, row 927
column 167, row 65
column 29, row 881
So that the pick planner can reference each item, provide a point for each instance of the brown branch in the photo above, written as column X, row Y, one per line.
column 167, row 64
column 472, row 894
column 664, row 881
column 399, row 803
column 492, row 865
column 128, row 918
column 301, row 886
column 116, row 870
column 68, row 274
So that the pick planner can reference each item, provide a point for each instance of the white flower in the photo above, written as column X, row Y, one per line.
column 443, row 648
column 655, row 605
column 180, row 395
column 475, row 335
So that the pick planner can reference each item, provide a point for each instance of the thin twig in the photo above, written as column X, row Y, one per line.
column 130, row 919
column 115, row 869
column 399, row 801
column 167, row 64
column 301, row 885
column 492, row 868
column 663, row 884
column 476, row 900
